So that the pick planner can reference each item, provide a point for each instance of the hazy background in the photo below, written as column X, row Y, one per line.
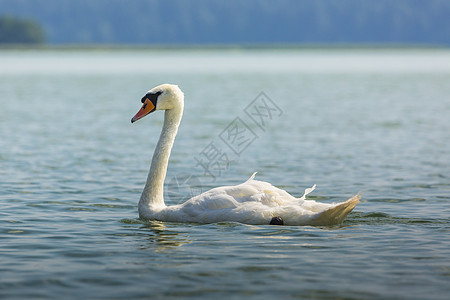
column 384, row 22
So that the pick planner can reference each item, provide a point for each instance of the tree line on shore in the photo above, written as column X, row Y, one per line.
column 249, row 22
column 20, row 31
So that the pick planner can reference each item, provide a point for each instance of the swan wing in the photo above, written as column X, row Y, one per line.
column 251, row 202
column 256, row 202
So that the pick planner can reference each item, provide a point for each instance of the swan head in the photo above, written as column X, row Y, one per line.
column 162, row 97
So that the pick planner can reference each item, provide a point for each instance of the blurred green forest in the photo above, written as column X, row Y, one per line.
column 415, row 22
column 20, row 31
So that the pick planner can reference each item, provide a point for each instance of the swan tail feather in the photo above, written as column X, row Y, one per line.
column 336, row 214
column 252, row 177
column 307, row 191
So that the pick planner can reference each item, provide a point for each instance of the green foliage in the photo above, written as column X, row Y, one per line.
column 20, row 31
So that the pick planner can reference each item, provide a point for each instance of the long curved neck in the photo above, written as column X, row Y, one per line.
column 153, row 194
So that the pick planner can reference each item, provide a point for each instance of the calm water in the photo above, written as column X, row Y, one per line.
column 72, row 168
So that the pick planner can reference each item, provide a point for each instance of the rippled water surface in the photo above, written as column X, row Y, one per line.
column 72, row 168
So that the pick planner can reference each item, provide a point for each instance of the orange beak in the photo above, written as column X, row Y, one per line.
column 146, row 108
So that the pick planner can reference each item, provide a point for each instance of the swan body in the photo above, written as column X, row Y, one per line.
column 251, row 202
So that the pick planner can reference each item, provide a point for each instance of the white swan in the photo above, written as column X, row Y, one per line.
column 251, row 202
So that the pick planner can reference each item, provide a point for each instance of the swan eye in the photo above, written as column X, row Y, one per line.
column 151, row 96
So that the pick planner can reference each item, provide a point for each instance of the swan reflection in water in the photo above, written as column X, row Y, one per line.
column 161, row 238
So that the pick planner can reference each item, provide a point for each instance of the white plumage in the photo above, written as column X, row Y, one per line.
column 251, row 202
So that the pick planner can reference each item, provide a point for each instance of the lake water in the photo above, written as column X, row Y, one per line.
column 72, row 168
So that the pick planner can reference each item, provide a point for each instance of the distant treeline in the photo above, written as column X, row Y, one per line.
column 238, row 21
column 20, row 31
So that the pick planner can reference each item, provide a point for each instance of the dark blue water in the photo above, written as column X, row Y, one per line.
column 72, row 168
